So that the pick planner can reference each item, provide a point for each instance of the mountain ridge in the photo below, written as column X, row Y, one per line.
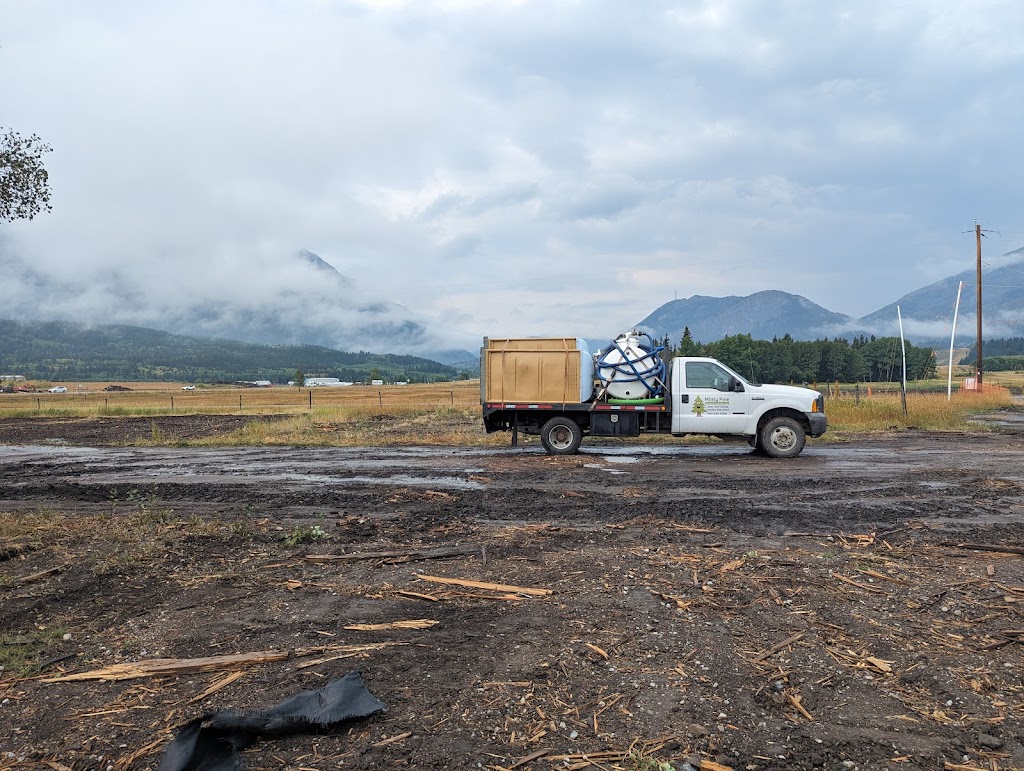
column 927, row 312
column 70, row 351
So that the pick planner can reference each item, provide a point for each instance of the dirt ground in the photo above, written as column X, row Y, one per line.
column 690, row 606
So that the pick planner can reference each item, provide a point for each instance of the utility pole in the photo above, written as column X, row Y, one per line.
column 977, row 236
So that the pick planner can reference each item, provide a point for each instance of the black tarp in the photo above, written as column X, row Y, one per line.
column 212, row 742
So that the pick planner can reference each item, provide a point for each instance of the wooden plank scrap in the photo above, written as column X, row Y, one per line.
column 988, row 547
column 418, row 596
column 485, row 585
column 414, row 623
column 407, row 554
column 160, row 667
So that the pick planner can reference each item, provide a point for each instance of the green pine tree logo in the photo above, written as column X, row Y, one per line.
column 698, row 407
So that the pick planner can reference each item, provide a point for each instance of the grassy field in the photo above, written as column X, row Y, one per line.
column 448, row 413
column 168, row 399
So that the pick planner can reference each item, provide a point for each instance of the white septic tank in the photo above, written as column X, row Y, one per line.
column 631, row 368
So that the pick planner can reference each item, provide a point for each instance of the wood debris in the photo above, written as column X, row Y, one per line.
column 392, row 740
column 38, row 576
column 415, row 623
column 221, row 683
column 407, row 555
column 159, row 667
column 777, row 647
column 533, row 592
column 599, row 651
column 858, row 584
column 988, row 547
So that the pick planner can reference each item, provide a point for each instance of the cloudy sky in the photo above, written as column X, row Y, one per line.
column 510, row 168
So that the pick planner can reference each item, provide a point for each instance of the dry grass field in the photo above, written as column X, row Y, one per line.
column 440, row 413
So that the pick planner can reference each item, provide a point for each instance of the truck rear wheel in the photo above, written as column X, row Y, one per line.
column 561, row 436
column 782, row 437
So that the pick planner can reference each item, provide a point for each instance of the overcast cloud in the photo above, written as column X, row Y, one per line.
column 509, row 168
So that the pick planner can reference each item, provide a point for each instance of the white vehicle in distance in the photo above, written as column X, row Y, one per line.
column 58, row 390
column 188, row 388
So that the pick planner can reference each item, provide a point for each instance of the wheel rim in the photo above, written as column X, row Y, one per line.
column 560, row 438
column 783, row 438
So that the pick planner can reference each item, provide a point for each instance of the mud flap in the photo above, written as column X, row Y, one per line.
column 212, row 742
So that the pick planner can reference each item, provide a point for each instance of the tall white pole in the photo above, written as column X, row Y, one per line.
column 952, row 337
column 903, row 345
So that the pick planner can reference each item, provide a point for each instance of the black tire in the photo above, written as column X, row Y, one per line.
column 781, row 437
column 561, row 436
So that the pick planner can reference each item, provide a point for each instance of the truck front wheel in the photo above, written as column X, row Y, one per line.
column 782, row 437
column 561, row 436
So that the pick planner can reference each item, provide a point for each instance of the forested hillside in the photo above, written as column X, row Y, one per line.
column 1000, row 346
column 63, row 351
column 785, row 360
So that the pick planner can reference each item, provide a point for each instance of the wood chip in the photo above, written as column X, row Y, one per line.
column 393, row 739
column 881, row 576
column 879, row 664
column 710, row 765
column 858, row 584
column 229, row 678
column 599, row 651
column 795, row 699
column 529, row 758
column 777, row 647
column 485, row 585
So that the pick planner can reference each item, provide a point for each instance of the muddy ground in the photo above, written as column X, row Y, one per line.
column 857, row 607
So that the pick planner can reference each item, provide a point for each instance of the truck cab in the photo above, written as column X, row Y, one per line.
column 709, row 398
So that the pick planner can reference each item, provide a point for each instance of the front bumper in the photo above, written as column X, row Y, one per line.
column 818, row 421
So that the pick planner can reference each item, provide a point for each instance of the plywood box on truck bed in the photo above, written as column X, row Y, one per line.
column 532, row 370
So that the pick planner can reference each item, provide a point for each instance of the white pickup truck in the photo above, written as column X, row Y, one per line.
column 563, row 393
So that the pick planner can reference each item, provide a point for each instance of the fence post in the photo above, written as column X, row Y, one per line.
column 39, row 405
column 239, row 401
column 380, row 400
column 311, row 398
column 856, row 393
column 452, row 394
column 172, row 404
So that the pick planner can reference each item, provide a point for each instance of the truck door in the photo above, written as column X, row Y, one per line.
column 702, row 402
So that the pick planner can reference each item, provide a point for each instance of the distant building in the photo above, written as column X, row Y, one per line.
column 12, row 378
column 324, row 382
column 261, row 383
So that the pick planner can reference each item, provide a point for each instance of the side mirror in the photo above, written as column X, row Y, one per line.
column 735, row 385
